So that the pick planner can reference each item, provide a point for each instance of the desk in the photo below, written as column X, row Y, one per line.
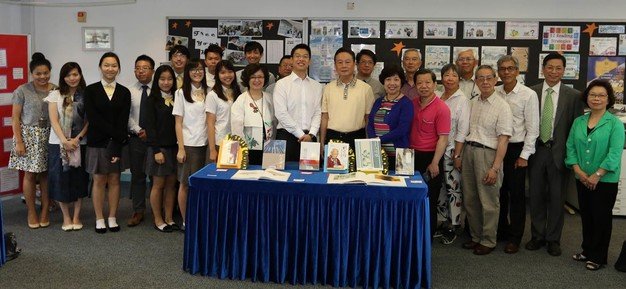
column 3, row 256
column 307, row 232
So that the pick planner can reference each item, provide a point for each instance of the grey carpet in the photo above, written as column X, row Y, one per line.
column 141, row 257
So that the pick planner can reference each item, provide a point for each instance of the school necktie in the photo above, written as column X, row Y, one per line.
column 179, row 81
column 109, row 89
column 545, row 126
column 144, row 101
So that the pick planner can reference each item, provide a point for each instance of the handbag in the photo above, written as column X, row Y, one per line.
column 10, row 244
column 620, row 265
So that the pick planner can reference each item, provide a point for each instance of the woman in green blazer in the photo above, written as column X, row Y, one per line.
column 594, row 151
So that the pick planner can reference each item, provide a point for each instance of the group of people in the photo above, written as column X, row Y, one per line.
column 473, row 141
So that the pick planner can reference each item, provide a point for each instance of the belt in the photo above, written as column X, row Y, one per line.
column 357, row 132
column 547, row 144
column 478, row 145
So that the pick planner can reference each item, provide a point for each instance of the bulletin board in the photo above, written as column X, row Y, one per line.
column 14, row 53
column 592, row 49
column 277, row 36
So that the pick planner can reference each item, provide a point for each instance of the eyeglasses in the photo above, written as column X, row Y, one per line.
column 366, row 62
column 599, row 95
column 197, row 70
column 484, row 78
column 142, row 68
column 465, row 59
column 507, row 69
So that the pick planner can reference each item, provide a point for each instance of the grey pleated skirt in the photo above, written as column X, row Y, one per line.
column 161, row 170
column 196, row 159
column 99, row 162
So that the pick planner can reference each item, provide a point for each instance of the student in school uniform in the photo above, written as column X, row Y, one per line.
column 161, row 152
column 107, row 104
column 190, row 119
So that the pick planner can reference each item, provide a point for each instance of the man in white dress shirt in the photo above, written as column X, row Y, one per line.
column 525, row 109
column 466, row 61
column 144, row 70
column 212, row 55
column 297, row 104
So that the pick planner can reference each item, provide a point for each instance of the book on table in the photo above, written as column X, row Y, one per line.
column 274, row 154
column 336, row 159
column 268, row 174
column 368, row 155
column 309, row 156
column 405, row 161
column 366, row 179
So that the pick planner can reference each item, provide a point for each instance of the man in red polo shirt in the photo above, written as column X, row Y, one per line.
column 429, row 136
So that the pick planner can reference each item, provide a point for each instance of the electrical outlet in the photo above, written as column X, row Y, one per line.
column 350, row 6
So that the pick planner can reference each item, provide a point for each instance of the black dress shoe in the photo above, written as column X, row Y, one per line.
column 482, row 250
column 174, row 226
column 470, row 245
column 535, row 244
column 101, row 230
column 114, row 229
column 166, row 229
column 554, row 248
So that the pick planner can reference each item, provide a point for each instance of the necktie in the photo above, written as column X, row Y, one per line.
column 109, row 89
column 179, row 81
column 142, row 105
column 545, row 126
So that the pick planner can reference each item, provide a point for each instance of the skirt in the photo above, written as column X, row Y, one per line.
column 196, row 160
column 98, row 162
column 69, row 185
column 35, row 160
column 161, row 170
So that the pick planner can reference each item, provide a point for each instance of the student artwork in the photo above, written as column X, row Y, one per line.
column 203, row 37
column 439, row 29
column 436, row 57
column 491, row 54
column 233, row 153
column 290, row 28
column 172, row 40
column 622, row 44
column 338, row 157
column 611, row 69
column 401, row 29
column 604, row 46
column 480, row 29
column 515, row 30
column 561, row 38
column 309, row 156
column 612, row 29
column 274, row 154
column 369, row 155
column 521, row 53
column 364, row 29
column 405, row 161
column 240, row 28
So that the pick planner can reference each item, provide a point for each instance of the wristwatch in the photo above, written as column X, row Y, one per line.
column 598, row 174
column 456, row 157
column 312, row 136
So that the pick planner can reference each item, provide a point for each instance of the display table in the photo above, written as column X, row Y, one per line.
column 3, row 255
column 305, row 231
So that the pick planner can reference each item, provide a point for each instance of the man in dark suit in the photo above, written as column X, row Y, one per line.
column 559, row 105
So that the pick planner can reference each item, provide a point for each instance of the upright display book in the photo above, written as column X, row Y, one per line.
column 269, row 174
column 336, row 159
column 230, row 155
column 405, row 160
column 310, row 156
column 274, row 154
column 368, row 155
column 366, row 179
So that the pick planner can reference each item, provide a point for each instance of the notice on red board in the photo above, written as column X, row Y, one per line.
column 3, row 58
column 9, row 179
column 18, row 73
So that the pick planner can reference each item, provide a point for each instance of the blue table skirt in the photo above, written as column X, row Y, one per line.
column 3, row 256
column 307, row 233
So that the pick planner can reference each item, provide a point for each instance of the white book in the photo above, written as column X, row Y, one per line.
column 309, row 156
column 366, row 179
column 405, row 160
column 368, row 155
column 268, row 174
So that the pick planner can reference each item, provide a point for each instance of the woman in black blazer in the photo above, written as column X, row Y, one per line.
column 107, row 104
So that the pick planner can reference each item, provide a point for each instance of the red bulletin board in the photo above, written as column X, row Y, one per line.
column 14, row 50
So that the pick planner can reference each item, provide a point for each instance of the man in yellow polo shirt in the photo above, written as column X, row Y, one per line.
column 346, row 102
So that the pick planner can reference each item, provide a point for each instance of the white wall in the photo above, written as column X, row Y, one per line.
column 140, row 28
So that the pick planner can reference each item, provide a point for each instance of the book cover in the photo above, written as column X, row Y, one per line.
column 336, row 157
column 274, row 154
column 368, row 155
column 230, row 155
column 309, row 156
column 405, row 161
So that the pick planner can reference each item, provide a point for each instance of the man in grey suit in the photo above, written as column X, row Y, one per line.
column 559, row 105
